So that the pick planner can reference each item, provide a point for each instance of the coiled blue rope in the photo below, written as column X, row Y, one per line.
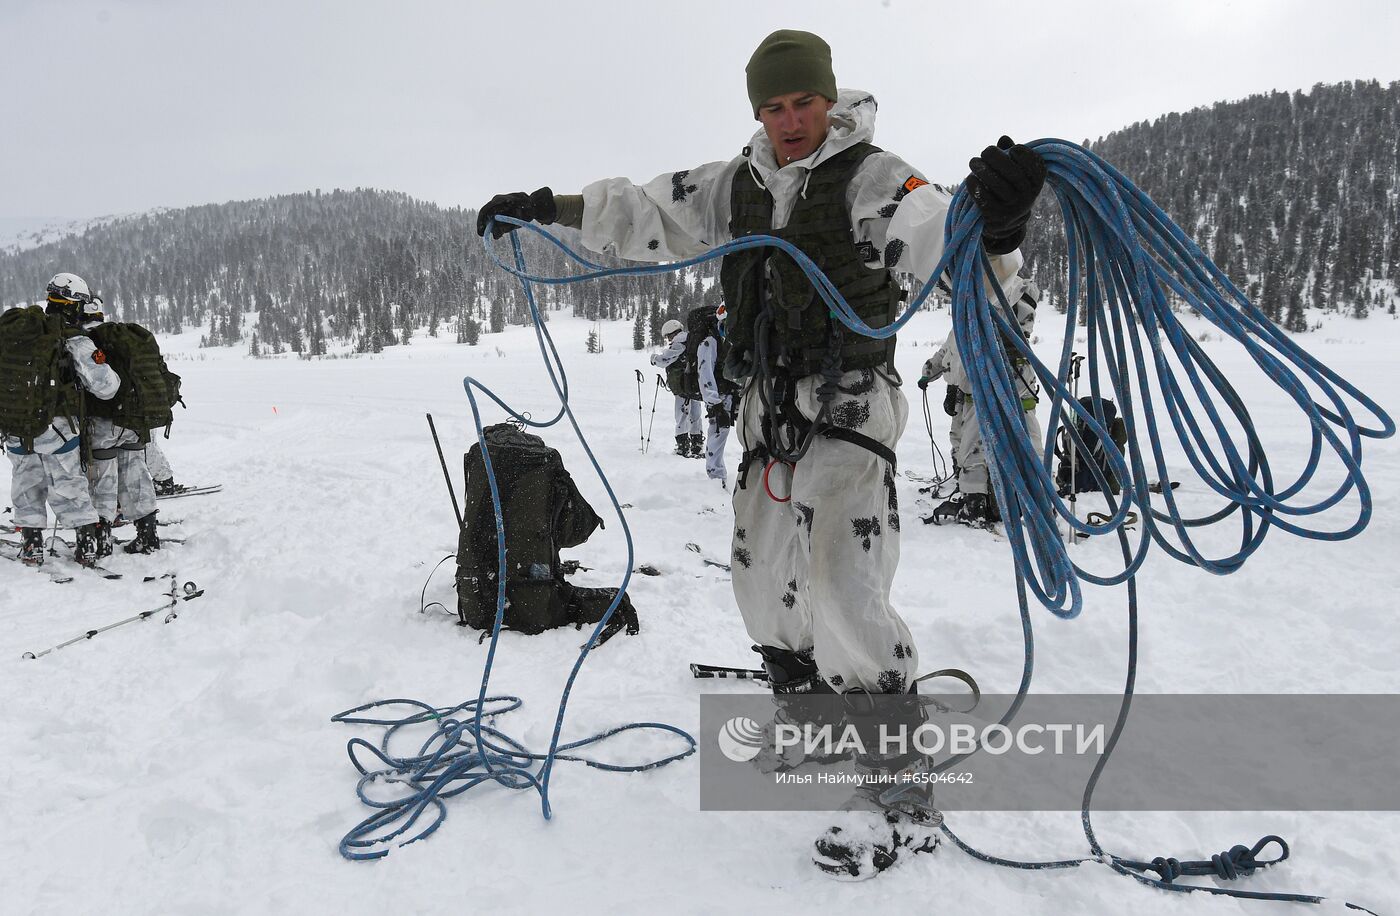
column 466, row 750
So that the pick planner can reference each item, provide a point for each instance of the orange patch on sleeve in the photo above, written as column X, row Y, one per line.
column 912, row 182
column 99, row 357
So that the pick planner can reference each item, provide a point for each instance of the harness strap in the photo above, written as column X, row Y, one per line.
column 104, row 454
column 865, row 442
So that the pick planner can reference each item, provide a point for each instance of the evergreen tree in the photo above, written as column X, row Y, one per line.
column 639, row 331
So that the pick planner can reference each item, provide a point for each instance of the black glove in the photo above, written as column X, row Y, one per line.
column 723, row 419
column 532, row 208
column 951, row 400
column 1004, row 183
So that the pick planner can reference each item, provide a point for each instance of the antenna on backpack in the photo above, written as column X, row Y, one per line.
column 451, row 490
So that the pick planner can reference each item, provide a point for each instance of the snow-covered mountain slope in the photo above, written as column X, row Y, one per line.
column 193, row 767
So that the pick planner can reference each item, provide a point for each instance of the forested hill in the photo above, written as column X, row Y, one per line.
column 369, row 267
column 1295, row 195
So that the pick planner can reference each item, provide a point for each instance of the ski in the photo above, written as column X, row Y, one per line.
column 54, row 577
column 54, row 556
column 188, row 592
column 122, row 522
column 164, row 540
column 695, row 548
column 183, row 490
column 700, row 671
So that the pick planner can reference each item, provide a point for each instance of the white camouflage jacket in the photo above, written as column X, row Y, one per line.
column 896, row 213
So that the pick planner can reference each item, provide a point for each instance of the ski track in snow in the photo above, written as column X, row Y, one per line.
column 193, row 767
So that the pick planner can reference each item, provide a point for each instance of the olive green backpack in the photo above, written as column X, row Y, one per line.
column 35, row 384
column 149, row 390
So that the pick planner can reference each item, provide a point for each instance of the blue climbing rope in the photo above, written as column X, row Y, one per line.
column 1127, row 262
column 464, row 749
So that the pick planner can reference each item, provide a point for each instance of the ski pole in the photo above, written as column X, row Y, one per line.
column 190, row 593
column 1074, row 361
column 451, row 490
column 641, row 436
column 655, row 392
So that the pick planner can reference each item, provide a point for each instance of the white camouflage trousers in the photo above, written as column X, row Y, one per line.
column 123, row 479
column 716, row 438
column 815, row 571
column 968, row 454
column 690, row 417
column 51, row 475
column 155, row 461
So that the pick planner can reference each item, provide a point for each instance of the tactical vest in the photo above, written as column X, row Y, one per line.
column 798, row 330
column 37, row 380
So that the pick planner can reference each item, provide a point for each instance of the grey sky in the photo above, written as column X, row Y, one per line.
column 124, row 105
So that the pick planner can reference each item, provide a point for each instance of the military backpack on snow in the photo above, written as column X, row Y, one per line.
column 1076, row 474
column 542, row 511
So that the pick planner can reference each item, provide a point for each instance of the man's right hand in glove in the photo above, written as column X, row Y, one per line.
column 1004, row 183
column 538, row 207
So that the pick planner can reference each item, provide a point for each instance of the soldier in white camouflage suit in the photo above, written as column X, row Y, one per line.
column 975, row 503
column 816, row 520
column 117, row 472
column 690, row 438
column 50, row 472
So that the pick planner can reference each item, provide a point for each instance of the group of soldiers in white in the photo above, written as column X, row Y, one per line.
column 93, row 471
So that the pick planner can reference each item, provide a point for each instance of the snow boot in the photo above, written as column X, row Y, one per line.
column 697, row 445
column 167, row 487
column 85, row 549
column 104, row 538
column 947, row 511
column 31, row 552
column 891, row 815
column 868, row 838
column 802, row 697
column 683, row 445
column 979, row 511
column 146, row 540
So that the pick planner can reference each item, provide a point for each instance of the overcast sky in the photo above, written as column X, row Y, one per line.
column 123, row 105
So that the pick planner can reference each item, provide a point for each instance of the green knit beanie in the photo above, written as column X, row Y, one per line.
column 790, row 61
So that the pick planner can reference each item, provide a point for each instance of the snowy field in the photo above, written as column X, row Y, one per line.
column 193, row 767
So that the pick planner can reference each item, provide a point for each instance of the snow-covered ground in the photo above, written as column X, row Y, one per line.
column 193, row 767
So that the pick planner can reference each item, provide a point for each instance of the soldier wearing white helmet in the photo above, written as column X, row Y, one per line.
column 690, row 414
column 43, row 437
